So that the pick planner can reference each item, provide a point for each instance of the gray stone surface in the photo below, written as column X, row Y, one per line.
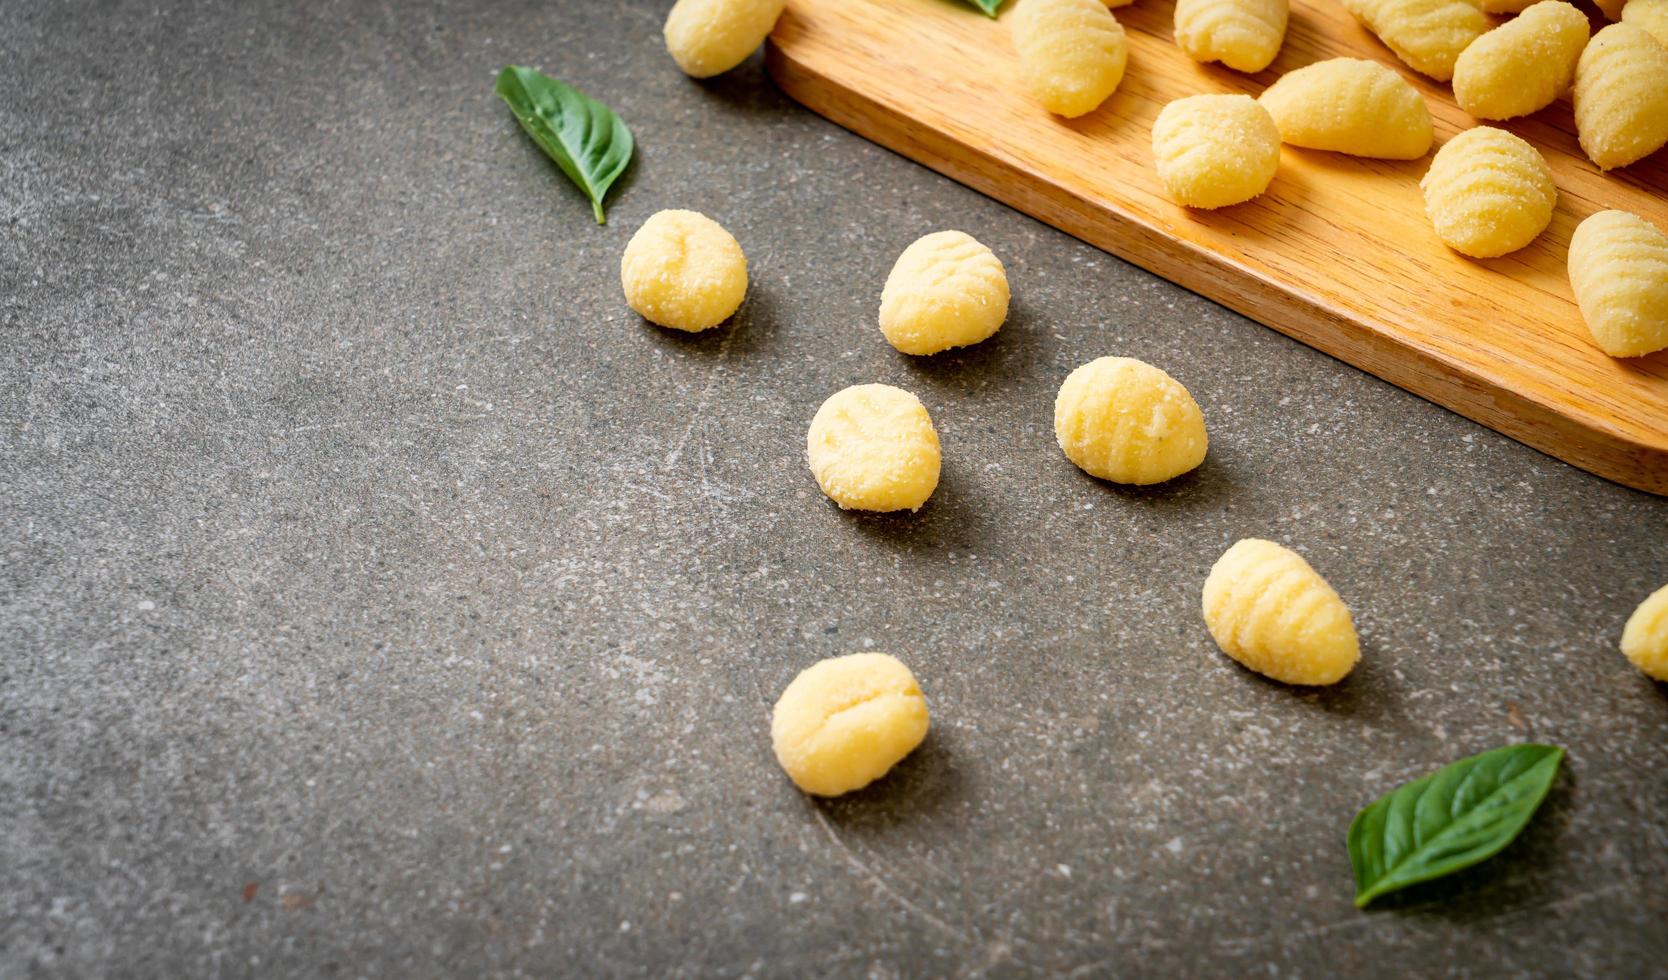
column 379, row 597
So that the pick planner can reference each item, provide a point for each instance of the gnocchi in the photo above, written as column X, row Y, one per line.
column 684, row 271
column 1524, row 65
column 873, row 447
column 1645, row 637
column 1215, row 150
column 846, row 721
column 1505, row 6
column 1245, row 35
column 1123, row 420
column 1621, row 96
column 1352, row 106
column 1488, row 193
column 1650, row 16
column 1619, row 272
column 1611, row 9
column 946, row 290
column 709, row 37
column 1428, row 35
column 1072, row 53
column 1268, row 609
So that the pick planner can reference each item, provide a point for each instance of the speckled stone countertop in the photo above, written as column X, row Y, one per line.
column 379, row 597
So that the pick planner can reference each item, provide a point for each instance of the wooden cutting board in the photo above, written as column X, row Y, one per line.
column 1338, row 253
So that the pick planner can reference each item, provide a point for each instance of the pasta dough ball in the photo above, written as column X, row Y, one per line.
column 1352, row 106
column 1126, row 421
column 1245, row 35
column 1650, row 16
column 1524, row 65
column 1273, row 613
column 1428, row 35
column 1488, row 193
column 1071, row 53
column 709, row 37
column 1645, row 638
column 1621, row 96
column 683, row 270
column 946, row 290
column 873, row 447
column 845, row 722
column 1215, row 150
column 1610, row 8
column 1619, row 273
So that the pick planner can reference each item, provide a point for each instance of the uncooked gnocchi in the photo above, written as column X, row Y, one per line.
column 1245, row 35
column 1426, row 34
column 1488, row 193
column 709, row 37
column 1621, row 96
column 683, row 270
column 1610, row 8
column 1215, row 150
column 845, row 722
column 1619, row 273
column 873, row 447
column 1524, row 65
column 1269, row 610
column 1650, row 16
column 1505, row 6
column 946, row 290
column 1645, row 638
column 1071, row 53
column 1124, row 420
column 1352, row 106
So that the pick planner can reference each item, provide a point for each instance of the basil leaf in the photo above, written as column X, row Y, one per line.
column 583, row 136
column 988, row 6
column 1451, row 819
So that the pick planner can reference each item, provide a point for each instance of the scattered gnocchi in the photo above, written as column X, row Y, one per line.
column 1352, row 106
column 1072, row 53
column 846, row 721
column 1245, row 35
column 684, row 271
column 1124, row 420
column 946, row 290
column 1621, row 96
column 1619, row 272
column 873, row 447
column 1428, row 35
column 1215, row 150
column 1269, row 610
column 1488, row 193
column 1645, row 637
column 1524, row 65
column 709, row 37
column 1650, row 16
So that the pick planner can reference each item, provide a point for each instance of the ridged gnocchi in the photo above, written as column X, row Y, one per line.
column 684, row 271
column 1524, row 65
column 873, row 447
column 1269, row 610
column 1621, row 96
column 1215, row 150
column 1428, row 35
column 1650, row 16
column 1072, row 53
column 1645, row 637
column 1619, row 272
column 1488, row 193
column 709, row 37
column 1352, row 106
column 946, row 290
column 846, row 721
column 1124, row 420
column 1245, row 35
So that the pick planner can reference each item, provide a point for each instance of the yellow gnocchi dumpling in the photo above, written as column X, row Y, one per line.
column 1071, row 53
column 1612, row 9
column 1245, row 35
column 1426, row 34
column 1619, row 273
column 1488, row 193
column 1352, row 106
column 1124, row 420
column 709, row 37
column 683, row 270
column 1524, row 65
column 1621, row 96
column 873, row 447
column 845, row 722
column 1650, row 16
column 1215, row 150
column 946, row 290
column 1645, row 637
column 1506, row 6
column 1269, row 610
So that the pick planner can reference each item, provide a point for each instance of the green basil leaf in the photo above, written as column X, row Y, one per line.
column 1449, row 820
column 583, row 136
column 988, row 6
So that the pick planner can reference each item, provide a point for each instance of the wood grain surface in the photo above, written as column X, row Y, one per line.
column 1338, row 253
